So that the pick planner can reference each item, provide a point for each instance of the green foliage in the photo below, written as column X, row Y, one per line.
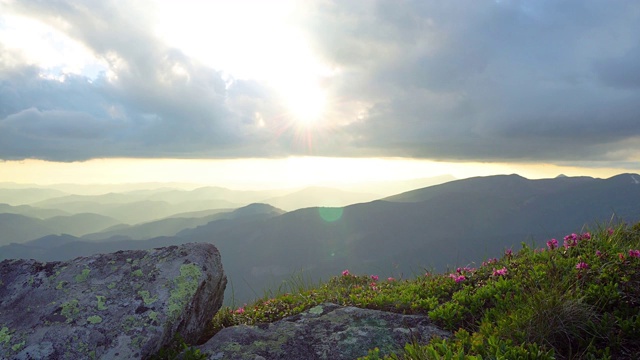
column 178, row 349
column 579, row 301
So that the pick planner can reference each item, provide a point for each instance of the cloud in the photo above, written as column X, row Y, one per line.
column 153, row 100
column 487, row 80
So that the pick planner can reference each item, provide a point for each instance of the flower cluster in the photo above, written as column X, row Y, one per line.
column 500, row 272
column 552, row 244
column 634, row 253
column 346, row 273
column 489, row 262
column 573, row 239
column 459, row 275
column 582, row 265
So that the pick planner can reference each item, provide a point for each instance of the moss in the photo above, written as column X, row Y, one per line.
column 185, row 287
column 146, row 297
column 129, row 323
column 82, row 277
column 137, row 341
column 137, row 273
column 111, row 286
column 61, row 284
column 316, row 310
column 154, row 317
column 5, row 335
column 95, row 319
column 18, row 346
column 70, row 310
column 101, row 301
column 59, row 271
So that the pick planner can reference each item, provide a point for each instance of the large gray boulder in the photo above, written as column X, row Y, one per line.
column 327, row 331
column 125, row 305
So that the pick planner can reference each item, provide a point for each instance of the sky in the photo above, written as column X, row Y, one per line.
column 252, row 92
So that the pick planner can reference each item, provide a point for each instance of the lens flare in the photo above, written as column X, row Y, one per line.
column 330, row 214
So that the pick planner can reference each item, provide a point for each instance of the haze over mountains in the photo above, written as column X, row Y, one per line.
column 262, row 245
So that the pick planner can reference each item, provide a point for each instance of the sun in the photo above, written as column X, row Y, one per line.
column 305, row 104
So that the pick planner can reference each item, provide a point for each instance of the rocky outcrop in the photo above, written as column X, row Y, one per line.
column 125, row 305
column 327, row 331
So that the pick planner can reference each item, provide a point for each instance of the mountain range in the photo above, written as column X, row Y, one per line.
column 458, row 223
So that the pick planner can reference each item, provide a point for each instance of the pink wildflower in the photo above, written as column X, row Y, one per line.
column 374, row 277
column 240, row 310
column 390, row 279
column 582, row 265
column 490, row 261
column 552, row 244
column 345, row 273
column 610, row 231
column 598, row 253
column 508, row 252
column 634, row 253
column 460, row 278
column 585, row 236
column 500, row 272
column 621, row 256
column 571, row 240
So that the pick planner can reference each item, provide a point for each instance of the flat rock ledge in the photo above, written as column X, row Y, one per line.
column 327, row 331
column 125, row 305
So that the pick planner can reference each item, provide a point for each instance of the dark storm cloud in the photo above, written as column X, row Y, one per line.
column 550, row 81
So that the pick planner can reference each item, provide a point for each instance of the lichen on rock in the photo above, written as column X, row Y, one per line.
column 125, row 305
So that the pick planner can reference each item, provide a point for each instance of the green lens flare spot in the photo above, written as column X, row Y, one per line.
column 330, row 214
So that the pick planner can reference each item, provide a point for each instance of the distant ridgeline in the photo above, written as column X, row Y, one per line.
column 458, row 223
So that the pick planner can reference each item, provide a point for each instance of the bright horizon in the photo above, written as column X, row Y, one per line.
column 253, row 94
column 240, row 174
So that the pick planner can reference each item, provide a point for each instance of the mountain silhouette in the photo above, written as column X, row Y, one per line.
column 453, row 224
